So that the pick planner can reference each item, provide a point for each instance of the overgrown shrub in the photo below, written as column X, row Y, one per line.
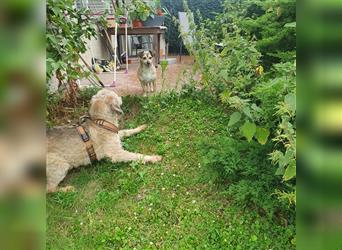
column 247, row 174
column 67, row 31
column 60, row 112
column 269, row 23
column 231, row 62
column 208, row 9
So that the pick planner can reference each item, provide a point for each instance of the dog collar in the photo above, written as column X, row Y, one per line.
column 106, row 125
column 101, row 123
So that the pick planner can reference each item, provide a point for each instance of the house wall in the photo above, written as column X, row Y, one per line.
column 96, row 48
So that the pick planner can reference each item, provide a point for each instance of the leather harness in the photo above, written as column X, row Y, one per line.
column 85, row 136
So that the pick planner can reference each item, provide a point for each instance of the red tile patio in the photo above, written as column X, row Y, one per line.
column 128, row 84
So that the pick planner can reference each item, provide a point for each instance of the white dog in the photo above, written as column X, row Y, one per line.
column 66, row 150
column 147, row 73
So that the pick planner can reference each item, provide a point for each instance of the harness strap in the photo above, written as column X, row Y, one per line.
column 86, row 139
column 89, row 145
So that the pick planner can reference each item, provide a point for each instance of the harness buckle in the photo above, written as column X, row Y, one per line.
column 85, row 137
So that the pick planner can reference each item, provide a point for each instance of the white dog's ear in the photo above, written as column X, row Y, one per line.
column 117, row 109
column 152, row 53
column 141, row 54
column 115, row 103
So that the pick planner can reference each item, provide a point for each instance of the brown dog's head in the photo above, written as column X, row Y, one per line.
column 146, row 58
column 106, row 104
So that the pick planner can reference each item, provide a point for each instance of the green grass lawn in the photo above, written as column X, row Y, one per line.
column 175, row 204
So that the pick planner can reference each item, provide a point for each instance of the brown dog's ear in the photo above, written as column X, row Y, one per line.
column 141, row 54
column 97, row 107
column 152, row 53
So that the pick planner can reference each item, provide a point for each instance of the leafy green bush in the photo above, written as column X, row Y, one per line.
column 232, row 65
column 247, row 173
column 208, row 9
column 269, row 23
column 87, row 93
column 67, row 30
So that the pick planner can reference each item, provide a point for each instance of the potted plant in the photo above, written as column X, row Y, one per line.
column 120, row 17
column 159, row 10
column 122, row 21
column 139, row 12
column 159, row 18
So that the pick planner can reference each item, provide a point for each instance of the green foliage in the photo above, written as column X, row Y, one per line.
column 264, row 21
column 67, row 30
column 164, row 65
column 234, row 118
column 85, row 94
column 60, row 112
column 262, row 135
column 248, row 130
column 281, row 104
column 248, row 172
column 207, row 8
column 141, row 10
column 230, row 56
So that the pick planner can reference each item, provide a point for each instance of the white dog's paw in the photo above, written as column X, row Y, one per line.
column 66, row 189
column 142, row 127
column 156, row 158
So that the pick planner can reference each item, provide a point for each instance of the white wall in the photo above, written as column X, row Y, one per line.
column 96, row 48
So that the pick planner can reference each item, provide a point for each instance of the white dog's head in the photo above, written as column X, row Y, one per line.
column 146, row 58
column 106, row 104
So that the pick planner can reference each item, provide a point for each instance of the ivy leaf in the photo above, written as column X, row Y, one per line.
column 283, row 161
column 247, row 112
column 224, row 52
column 234, row 118
column 254, row 238
column 290, row 172
column 262, row 135
column 290, row 101
column 280, row 170
column 248, row 130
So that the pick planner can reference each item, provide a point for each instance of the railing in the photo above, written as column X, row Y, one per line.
column 96, row 7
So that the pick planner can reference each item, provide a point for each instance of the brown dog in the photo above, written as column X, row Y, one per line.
column 147, row 73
